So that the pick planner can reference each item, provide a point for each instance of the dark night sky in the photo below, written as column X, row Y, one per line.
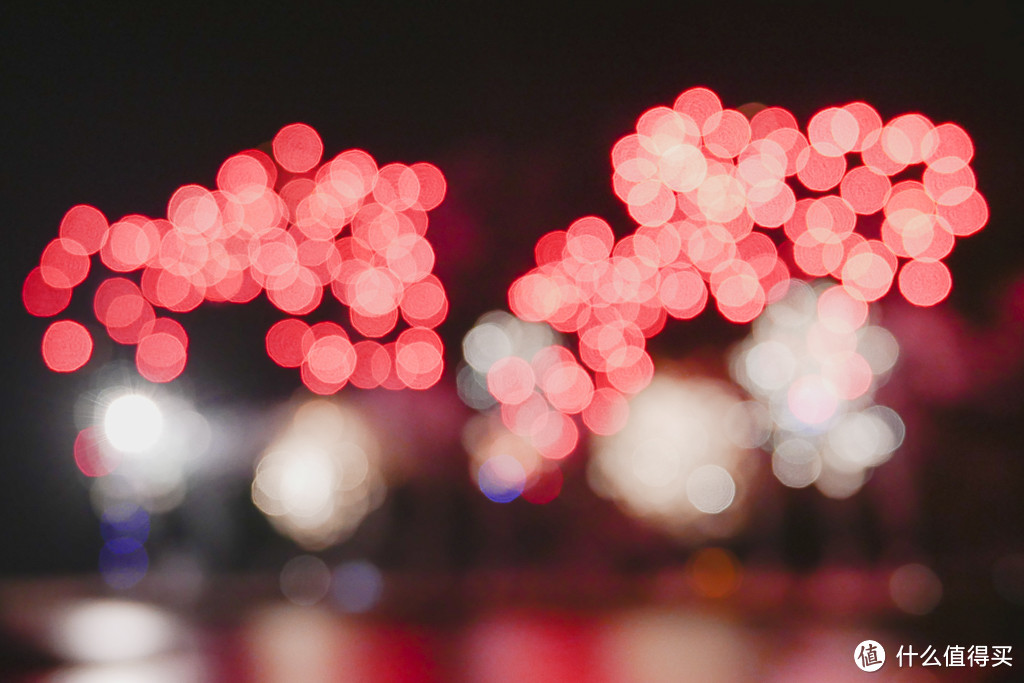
column 117, row 108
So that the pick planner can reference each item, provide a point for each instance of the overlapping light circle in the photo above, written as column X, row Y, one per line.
column 728, row 207
column 677, row 463
column 321, row 476
column 274, row 225
column 813, row 363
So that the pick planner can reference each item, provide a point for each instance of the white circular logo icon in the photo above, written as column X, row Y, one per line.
column 869, row 655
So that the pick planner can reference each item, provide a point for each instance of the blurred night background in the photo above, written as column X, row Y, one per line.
column 118, row 106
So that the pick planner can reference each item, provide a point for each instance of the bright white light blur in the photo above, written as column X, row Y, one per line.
column 113, row 630
column 710, row 488
column 133, row 423
column 676, row 463
column 807, row 363
column 321, row 477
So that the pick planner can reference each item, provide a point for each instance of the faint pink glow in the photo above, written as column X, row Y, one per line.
column 67, row 346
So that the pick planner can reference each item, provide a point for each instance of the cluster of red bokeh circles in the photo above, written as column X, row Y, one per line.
column 273, row 224
column 700, row 180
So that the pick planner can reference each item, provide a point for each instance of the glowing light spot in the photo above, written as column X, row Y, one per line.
column 840, row 312
column 64, row 263
column 543, row 487
column 666, row 465
column 865, row 189
column 868, row 122
column 358, row 586
column 123, row 563
column 925, row 283
column 951, row 148
column 726, row 133
column 133, row 423
column 510, row 380
column 373, row 365
column 868, row 271
column 160, row 357
column 41, row 299
column 244, row 177
column 86, row 226
column 331, row 359
column 297, row 148
column 812, row 399
column 557, row 437
column 90, row 457
column 819, row 172
column 710, row 488
column 950, row 188
column 501, row 478
column 284, row 342
column 567, row 387
column 908, row 139
column 305, row 580
column 607, row 412
column 424, row 303
column 967, row 217
column 698, row 104
column 796, row 463
column 67, row 346
column 714, row 572
column 133, row 242
column 833, row 132
column 915, row 589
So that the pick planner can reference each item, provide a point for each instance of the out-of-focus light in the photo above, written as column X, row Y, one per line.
column 674, row 463
column 133, row 423
column 915, row 589
column 123, row 562
column 169, row 668
column 662, row 646
column 67, row 346
column 813, row 363
column 249, row 236
column 305, row 580
column 714, row 572
column 320, row 478
column 501, row 478
column 113, row 630
column 357, row 586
